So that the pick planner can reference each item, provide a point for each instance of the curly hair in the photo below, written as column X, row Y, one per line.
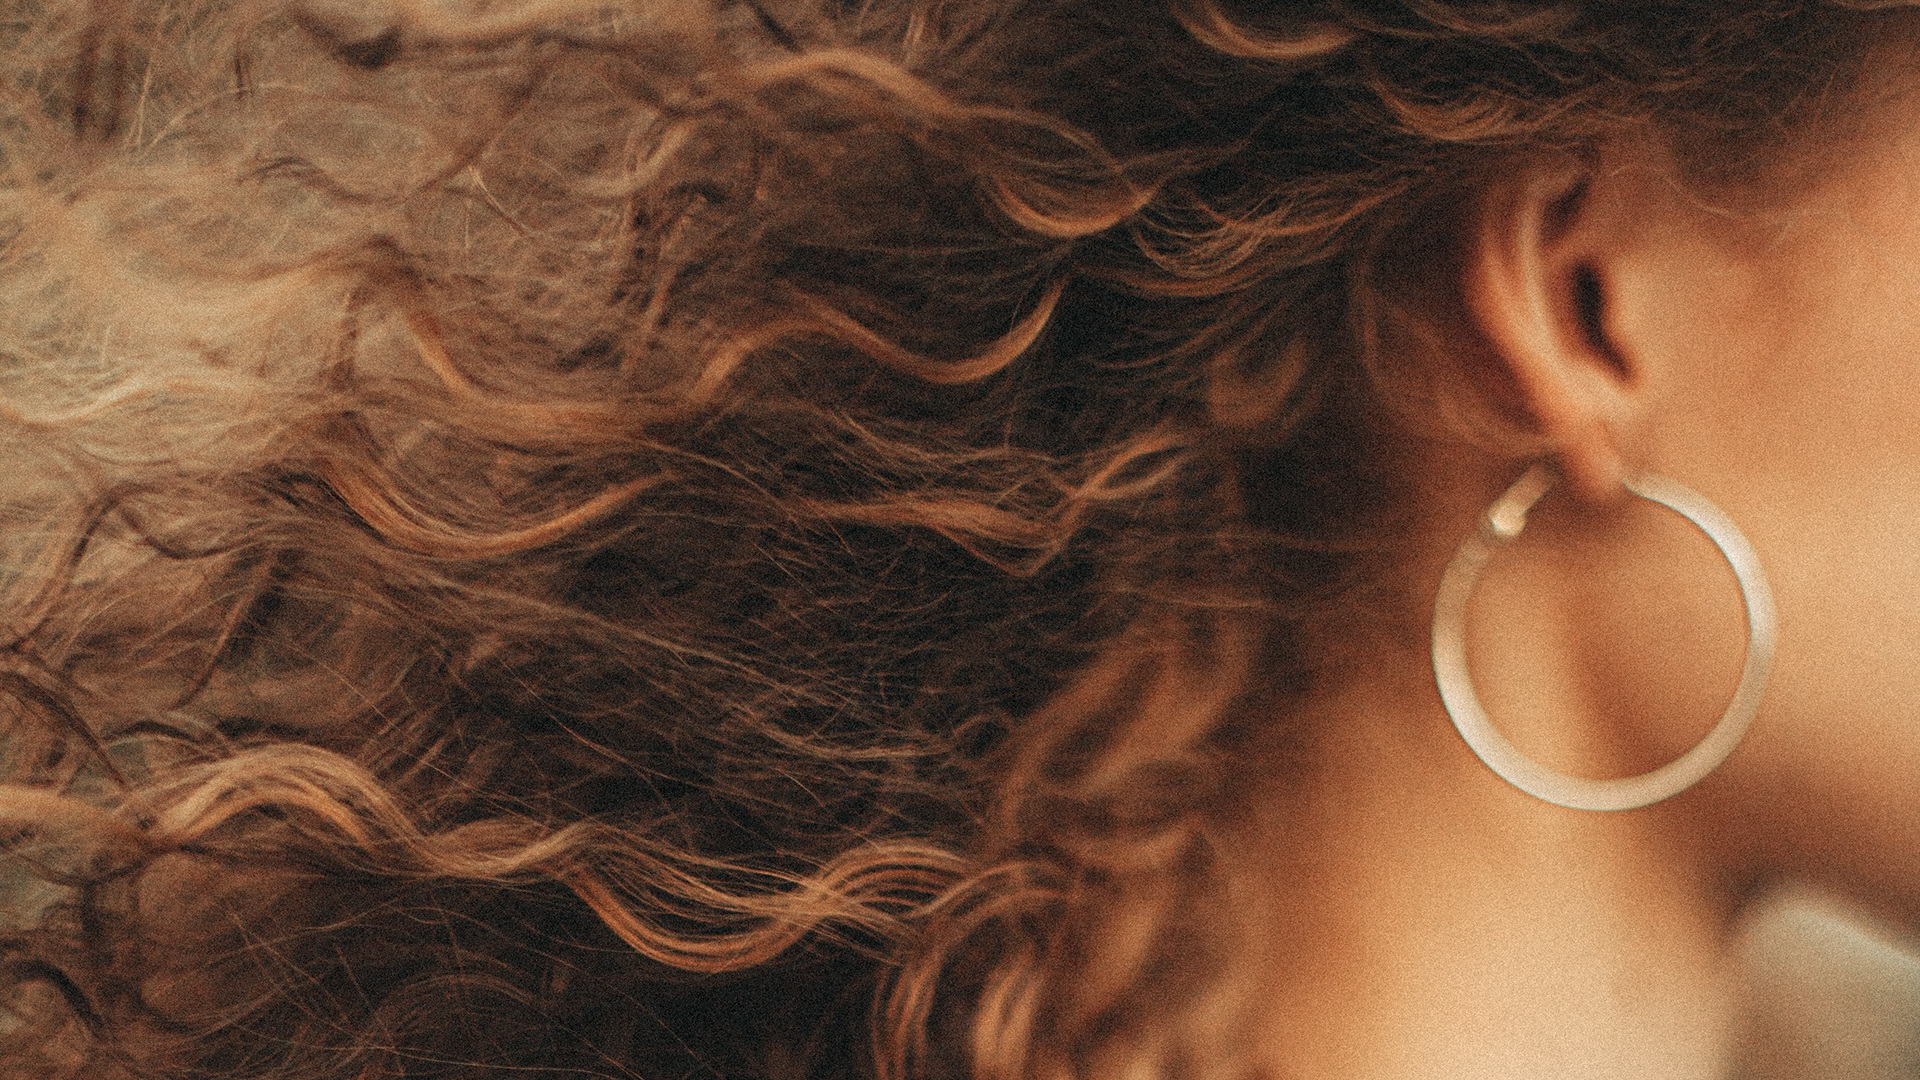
column 672, row 538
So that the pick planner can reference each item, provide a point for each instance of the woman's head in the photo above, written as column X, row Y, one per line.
column 613, row 538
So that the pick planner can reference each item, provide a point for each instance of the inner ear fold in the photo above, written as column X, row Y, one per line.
column 1565, row 210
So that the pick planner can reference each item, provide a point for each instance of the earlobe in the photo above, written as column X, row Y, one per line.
column 1537, row 290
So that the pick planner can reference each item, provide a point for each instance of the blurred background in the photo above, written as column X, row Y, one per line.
column 1833, row 994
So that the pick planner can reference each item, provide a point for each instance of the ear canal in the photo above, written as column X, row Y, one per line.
column 1589, row 310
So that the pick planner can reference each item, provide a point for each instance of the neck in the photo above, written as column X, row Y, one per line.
column 1426, row 920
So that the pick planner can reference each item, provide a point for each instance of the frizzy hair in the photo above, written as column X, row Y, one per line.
column 674, row 538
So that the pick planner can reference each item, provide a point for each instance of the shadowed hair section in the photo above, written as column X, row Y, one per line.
column 676, row 538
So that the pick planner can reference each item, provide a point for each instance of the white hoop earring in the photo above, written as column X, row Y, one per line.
column 1502, row 523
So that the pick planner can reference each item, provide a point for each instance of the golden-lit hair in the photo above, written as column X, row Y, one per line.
column 666, row 538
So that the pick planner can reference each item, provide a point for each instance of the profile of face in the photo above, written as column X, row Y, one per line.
column 1759, row 342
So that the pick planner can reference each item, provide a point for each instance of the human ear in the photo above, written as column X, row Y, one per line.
column 1538, row 286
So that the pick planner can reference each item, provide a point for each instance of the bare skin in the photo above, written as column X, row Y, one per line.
column 1435, row 922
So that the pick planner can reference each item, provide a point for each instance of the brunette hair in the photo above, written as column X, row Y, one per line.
column 672, row 538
